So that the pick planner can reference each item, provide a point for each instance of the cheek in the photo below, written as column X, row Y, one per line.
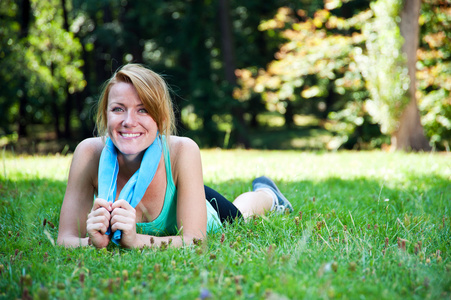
column 112, row 120
column 151, row 123
column 111, row 123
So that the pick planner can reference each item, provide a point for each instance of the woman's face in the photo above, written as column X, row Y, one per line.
column 129, row 125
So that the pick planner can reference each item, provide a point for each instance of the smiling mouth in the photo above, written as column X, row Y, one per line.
column 130, row 135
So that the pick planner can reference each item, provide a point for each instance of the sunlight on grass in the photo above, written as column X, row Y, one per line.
column 35, row 167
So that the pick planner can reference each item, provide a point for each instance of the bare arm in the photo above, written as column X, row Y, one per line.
column 191, row 203
column 78, row 199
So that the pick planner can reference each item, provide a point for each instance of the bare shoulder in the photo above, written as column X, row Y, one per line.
column 185, row 155
column 90, row 146
column 182, row 146
column 87, row 155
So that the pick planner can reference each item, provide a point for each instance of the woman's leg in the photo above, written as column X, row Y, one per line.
column 254, row 203
column 246, row 205
column 226, row 210
column 264, row 197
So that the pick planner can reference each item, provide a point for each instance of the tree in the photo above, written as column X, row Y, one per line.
column 410, row 134
column 314, row 70
column 23, row 36
column 40, row 64
column 389, row 70
column 179, row 39
column 54, row 60
column 15, row 21
column 229, row 65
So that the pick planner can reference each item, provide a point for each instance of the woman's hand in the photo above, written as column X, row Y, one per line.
column 123, row 217
column 98, row 223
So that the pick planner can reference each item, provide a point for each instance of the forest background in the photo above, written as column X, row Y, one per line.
column 274, row 74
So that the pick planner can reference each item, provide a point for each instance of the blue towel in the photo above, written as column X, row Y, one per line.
column 136, row 186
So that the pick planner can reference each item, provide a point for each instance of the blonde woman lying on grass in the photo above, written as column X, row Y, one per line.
column 146, row 183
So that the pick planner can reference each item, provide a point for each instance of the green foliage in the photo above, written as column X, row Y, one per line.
column 313, row 63
column 53, row 53
column 384, row 66
column 181, row 40
column 436, row 107
column 354, row 128
column 11, row 64
column 40, row 65
column 323, row 58
column 52, row 72
column 434, row 75
column 316, row 66
column 366, row 224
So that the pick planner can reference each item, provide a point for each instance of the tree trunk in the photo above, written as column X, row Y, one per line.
column 410, row 134
column 25, row 19
column 22, row 122
column 289, row 115
column 68, row 104
column 227, row 42
column 55, row 108
column 65, row 17
column 79, row 97
column 229, row 68
column 67, row 114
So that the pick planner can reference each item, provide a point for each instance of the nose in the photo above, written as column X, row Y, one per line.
column 130, row 119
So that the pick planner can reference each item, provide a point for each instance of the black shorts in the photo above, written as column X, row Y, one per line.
column 226, row 210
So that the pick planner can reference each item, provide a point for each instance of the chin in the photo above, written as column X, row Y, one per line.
column 131, row 151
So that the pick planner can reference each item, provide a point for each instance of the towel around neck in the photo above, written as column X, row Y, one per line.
column 136, row 186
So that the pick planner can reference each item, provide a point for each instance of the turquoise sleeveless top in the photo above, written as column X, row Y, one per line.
column 166, row 223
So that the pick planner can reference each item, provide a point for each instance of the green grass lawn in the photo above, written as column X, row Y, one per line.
column 366, row 225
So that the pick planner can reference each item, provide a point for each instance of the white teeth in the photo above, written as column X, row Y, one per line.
column 129, row 135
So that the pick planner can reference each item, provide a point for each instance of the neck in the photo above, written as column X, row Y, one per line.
column 129, row 164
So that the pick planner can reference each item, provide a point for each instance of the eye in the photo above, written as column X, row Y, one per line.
column 142, row 110
column 117, row 109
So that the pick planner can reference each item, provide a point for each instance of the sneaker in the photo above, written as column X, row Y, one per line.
column 282, row 203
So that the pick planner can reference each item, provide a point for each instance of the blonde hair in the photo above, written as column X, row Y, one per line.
column 152, row 91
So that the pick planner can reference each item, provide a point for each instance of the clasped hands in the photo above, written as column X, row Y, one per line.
column 120, row 215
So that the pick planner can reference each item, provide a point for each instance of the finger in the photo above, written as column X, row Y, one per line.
column 99, row 219
column 131, row 214
column 129, row 219
column 102, row 211
column 98, row 223
column 125, row 226
column 97, row 227
column 99, row 202
column 123, row 222
column 122, row 204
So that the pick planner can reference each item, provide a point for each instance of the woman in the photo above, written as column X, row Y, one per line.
column 148, row 183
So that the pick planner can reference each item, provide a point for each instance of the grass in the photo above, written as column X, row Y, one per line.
column 366, row 225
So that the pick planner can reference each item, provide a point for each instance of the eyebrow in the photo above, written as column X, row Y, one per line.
column 122, row 104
